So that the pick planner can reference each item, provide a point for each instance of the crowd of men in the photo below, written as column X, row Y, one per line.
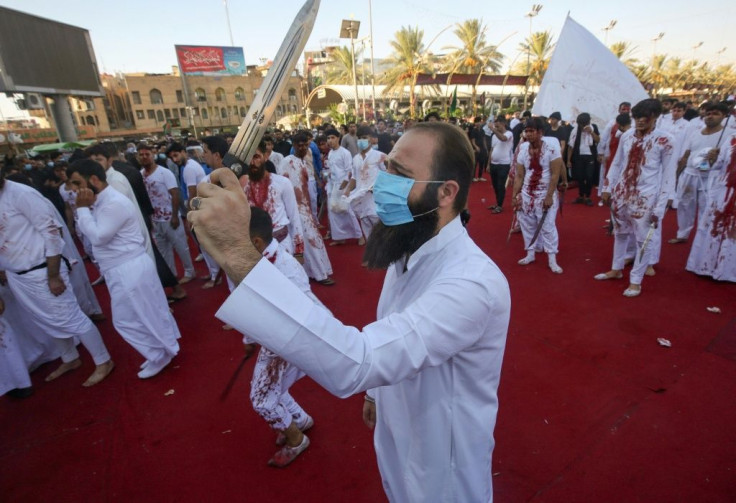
column 311, row 190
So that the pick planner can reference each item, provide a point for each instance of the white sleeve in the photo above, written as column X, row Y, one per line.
column 101, row 228
column 617, row 166
column 343, row 359
column 669, row 176
column 556, row 150
column 42, row 218
column 169, row 179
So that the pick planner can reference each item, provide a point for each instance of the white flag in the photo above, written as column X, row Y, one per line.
column 585, row 76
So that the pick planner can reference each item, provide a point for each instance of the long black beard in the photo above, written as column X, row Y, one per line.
column 388, row 244
column 256, row 174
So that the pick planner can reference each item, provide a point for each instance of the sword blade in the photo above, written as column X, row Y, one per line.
column 511, row 230
column 539, row 229
column 260, row 112
column 646, row 241
column 234, row 378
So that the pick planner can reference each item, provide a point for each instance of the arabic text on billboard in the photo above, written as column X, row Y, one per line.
column 208, row 60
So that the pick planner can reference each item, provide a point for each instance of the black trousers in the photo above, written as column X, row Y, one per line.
column 583, row 171
column 499, row 174
column 481, row 159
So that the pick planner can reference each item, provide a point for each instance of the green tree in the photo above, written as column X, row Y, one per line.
column 474, row 55
column 341, row 68
column 539, row 49
column 408, row 59
column 624, row 51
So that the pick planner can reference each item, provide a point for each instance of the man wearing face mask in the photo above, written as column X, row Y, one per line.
column 432, row 361
column 366, row 166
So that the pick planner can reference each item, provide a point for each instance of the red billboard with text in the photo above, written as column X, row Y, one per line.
column 210, row 60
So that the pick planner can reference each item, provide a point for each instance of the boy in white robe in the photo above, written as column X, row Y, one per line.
column 272, row 375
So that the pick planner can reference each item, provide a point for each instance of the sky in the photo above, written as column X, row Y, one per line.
column 139, row 36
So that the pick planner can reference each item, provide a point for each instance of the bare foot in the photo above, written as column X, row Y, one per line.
column 675, row 241
column 185, row 279
column 650, row 271
column 227, row 327
column 97, row 317
column 361, row 241
column 101, row 371
column 337, row 243
column 63, row 369
column 209, row 284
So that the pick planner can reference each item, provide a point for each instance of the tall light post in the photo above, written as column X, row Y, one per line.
column 696, row 47
column 349, row 29
column 718, row 55
column 608, row 28
column 531, row 15
column 229, row 29
column 654, row 54
column 373, row 70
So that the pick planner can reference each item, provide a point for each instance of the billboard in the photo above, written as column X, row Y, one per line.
column 210, row 60
column 38, row 55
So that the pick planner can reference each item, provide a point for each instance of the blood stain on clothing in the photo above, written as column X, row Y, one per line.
column 724, row 221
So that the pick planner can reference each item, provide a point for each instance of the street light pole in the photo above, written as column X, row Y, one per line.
column 373, row 70
column 531, row 14
column 609, row 28
column 229, row 28
column 349, row 29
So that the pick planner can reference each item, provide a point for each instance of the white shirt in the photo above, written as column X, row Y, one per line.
column 111, row 225
column 365, row 170
column 679, row 130
column 28, row 229
column 158, row 184
column 649, row 183
column 501, row 150
column 193, row 173
column 699, row 145
column 119, row 182
column 513, row 122
column 586, row 141
column 341, row 164
column 536, row 186
column 276, row 159
column 69, row 197
column 280, row 203
column 434, row 358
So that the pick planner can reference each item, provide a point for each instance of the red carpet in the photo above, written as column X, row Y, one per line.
column 592, row 408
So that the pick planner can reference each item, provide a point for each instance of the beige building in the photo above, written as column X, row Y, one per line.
column 144, row 104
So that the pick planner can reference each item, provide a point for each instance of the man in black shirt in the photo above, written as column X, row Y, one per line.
column 385, row 143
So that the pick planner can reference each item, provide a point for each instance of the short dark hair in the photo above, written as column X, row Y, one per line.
column 500, row 118
column 432, row 114
column 453, row 157
column 527, row 113
column 299, row 137
column 218, row 144
column 261, row 146
column 535, row 123
column 145, row 146
column 623, row 120
column 680, row 104
column 320, row 139
column 365, row 131
column 261, row 225
column 98, row 149
column 86, row 168
column 332, row 132
column 624, row 104
column 647, row 108
column 583, row 119
column 712, row 105
column 175, row 147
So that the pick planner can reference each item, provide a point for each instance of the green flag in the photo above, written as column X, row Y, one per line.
column 453, row 103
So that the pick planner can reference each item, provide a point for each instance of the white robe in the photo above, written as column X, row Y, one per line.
column 316, row 262
column 434, row 358
column 140, row 311
column 715, row 256
column 343, row 223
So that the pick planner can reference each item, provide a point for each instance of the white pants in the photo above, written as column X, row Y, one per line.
column 140, row 311
column 212, row 265
column 691, row 195
column 169, row 239
column 627, row 228
column 59, row 316
column 269, row 391
column 529, row 218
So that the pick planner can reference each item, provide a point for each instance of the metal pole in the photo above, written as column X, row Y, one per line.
column 62, row 114
column 362, row 84
column 373, row 71
column 229, row 29
column 355, row 75
column 528, row 62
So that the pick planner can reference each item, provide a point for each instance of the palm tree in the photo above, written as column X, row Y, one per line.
column 624, row 51
column 473, row 55
column 657, row 74
column 408, row 60
column 539, row 47
column 341, row 68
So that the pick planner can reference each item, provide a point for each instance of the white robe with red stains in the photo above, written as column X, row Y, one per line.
column 316, row 262
column 641, row 178
column 365, row 171
column 714, row 249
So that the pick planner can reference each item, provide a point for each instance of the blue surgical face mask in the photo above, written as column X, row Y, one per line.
column 363, row 144
column 28, row 167
column 374, row 146
column 50, row 164
column 391, row 195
